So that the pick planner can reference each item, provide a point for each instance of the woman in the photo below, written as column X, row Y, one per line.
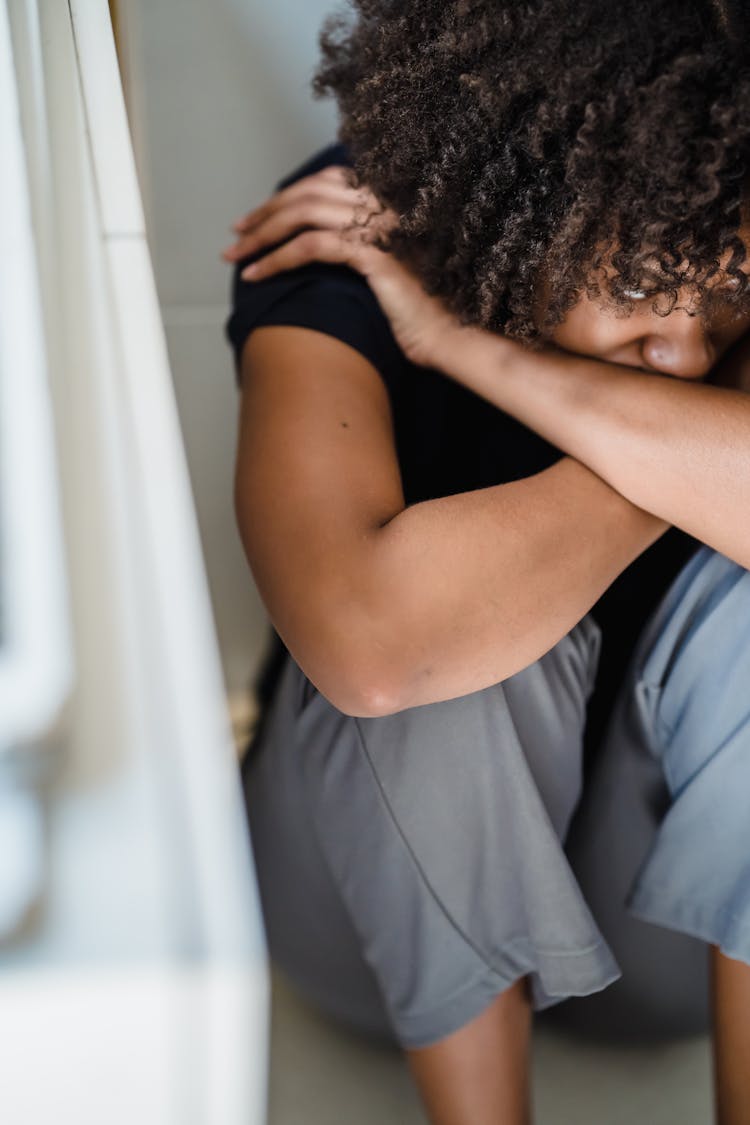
column 491, row 476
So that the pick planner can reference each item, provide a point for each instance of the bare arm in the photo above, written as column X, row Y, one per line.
column 677, row 448
column 387, row 607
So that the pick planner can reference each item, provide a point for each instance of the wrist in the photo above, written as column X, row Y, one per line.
column 461, row 348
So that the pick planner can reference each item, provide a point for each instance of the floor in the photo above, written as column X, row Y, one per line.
column 320, row 1075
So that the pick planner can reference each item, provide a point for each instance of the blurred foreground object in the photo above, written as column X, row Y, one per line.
column 133, row 973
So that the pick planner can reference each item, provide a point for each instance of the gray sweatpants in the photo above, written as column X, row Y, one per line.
column 412, row 867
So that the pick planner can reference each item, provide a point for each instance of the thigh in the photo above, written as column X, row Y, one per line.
column 423, row 850
column 660, row 841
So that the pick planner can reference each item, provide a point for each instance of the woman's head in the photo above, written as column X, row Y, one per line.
column 549, row 153
column 680, row 343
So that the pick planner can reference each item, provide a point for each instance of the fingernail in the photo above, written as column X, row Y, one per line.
column 249, row 272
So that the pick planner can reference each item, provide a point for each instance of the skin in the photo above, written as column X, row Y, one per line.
column 730, row 1000
column 322, row 516
column 480, row 1073
column 678, row 345
column 676, row 450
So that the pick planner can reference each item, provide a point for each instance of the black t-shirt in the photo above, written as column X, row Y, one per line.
column 448, row 440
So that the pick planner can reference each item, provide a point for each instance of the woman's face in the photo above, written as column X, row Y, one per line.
column 678, row 344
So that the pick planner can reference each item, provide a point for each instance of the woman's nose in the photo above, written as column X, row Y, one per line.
column 684, row 350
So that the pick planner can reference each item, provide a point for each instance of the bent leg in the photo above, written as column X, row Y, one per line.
column 664, row 818
column 421, row 852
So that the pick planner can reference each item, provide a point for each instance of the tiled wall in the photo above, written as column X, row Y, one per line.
column 219, row 100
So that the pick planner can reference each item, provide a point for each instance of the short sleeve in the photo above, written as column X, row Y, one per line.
column 329, row 298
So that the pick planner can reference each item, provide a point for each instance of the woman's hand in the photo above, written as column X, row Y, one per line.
column 323, row 218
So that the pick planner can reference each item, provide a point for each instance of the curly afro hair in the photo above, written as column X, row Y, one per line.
column 551, row 147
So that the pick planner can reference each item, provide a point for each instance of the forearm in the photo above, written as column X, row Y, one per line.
column 464, row 591
column 678, row 449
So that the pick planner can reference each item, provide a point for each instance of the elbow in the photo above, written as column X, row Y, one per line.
column 362, row 703
column 370, row 700
column 352, row 648
column 360, row 696
column 355, row 684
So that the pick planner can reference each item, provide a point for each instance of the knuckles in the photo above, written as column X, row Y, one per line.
column 311, row 241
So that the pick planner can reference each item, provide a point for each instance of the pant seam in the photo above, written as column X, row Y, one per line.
column 417, row 865
column 538, row 952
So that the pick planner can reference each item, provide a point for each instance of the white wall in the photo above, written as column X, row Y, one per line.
column 220, row 109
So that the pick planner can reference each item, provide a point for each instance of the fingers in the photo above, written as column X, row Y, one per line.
column 307, row 188
column 322, row 200
column 316, row 246
column 282, row 222
column 334, row 177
